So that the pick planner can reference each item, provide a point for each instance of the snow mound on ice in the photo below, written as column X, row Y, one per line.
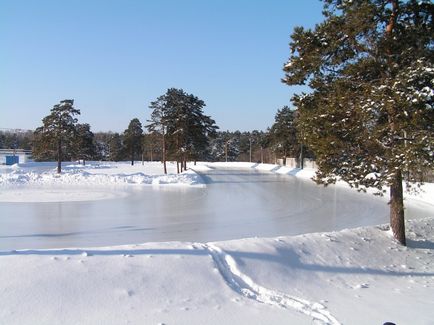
column 94, row 175
column 39, row 182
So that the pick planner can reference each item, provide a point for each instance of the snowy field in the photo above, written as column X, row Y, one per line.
column 354, row 276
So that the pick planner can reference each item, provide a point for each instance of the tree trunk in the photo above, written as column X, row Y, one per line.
column 59, row 156
column 392, row 20
column 301, row 157
column 178, row 155
column 250, row 150
column 397, row 222
column 396, row 203
column 164, row 152
column 226, row 151
column 183, row 163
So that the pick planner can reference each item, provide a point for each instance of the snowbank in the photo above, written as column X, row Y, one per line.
column 96, row 174
column 39, row 182
column 306, row 173
column 358, row 276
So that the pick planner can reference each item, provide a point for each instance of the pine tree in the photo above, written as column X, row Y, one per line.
column 16, row 139
column 56, row 135
column 158, row 124
column 185, row 129
column 197, row 129
column 84, row 143
column 133, row 138
column 115, row 147
column 151, row 145
column 261, row 143
column 225, row 146
column 370, row 115
column 102, row 140
column 283, row 134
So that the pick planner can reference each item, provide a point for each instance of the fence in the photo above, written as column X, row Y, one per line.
column 295, row 163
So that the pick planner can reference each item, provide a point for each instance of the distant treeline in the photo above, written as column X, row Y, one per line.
column 110, row 146
column 16, row 140
column 278, row 141
column 177, row 130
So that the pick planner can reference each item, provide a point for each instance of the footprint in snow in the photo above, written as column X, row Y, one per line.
column 362, row 286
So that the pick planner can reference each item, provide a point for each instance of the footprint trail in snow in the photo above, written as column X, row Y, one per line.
column 244, row 285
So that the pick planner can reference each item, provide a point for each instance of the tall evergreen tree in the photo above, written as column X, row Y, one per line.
column 184, row 127
column 133, row 139
column 158, row 124
column 57, row 132
column 370, row 114
column 195, row 128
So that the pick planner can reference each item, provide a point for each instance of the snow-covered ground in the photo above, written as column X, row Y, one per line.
column 358, row 276
column 355, row 276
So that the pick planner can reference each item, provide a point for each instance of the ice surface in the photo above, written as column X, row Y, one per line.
column 236, row 203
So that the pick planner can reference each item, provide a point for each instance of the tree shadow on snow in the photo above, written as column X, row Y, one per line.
column 215, row 178
column 286, row 257
column 422, row 244
column 103, row 252
column 78, row 233
column 290, row 259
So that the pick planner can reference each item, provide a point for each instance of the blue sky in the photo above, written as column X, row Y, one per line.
column 114, row 57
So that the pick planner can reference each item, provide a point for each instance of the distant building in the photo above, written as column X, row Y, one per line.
column 14, row 156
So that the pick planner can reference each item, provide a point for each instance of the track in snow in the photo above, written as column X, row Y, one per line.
column 244, row 285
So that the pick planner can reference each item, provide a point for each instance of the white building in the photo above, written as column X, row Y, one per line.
column 13, row 156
